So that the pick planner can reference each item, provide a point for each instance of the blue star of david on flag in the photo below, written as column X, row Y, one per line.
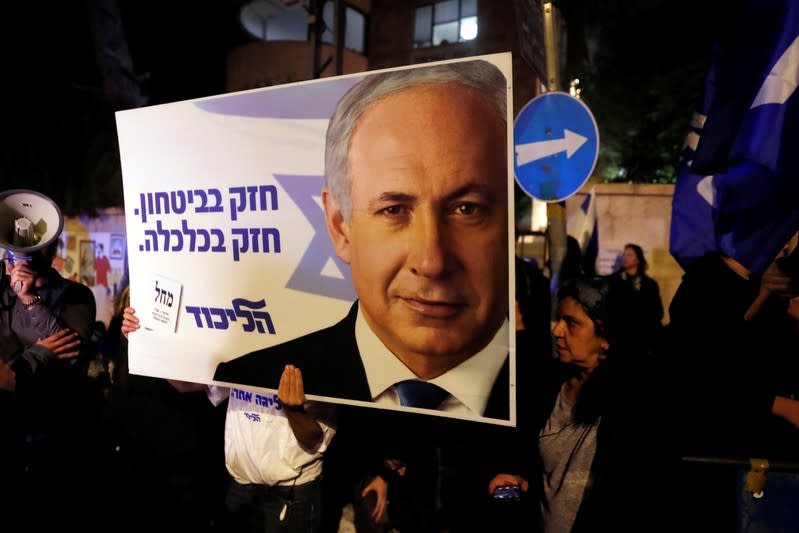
column 319, row 271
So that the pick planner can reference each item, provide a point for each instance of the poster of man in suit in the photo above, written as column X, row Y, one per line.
column 357, row 228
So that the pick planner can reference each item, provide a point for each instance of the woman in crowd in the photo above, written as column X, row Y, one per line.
column 637, row 304
column 595, row 422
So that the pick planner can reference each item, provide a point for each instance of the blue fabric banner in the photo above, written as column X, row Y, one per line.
column 737, row 189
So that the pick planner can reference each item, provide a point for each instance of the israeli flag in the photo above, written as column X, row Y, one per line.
column 582, row 225
column 737, row 189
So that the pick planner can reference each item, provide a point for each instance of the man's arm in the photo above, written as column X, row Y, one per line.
column 63, row 328
column 54, row 304
column 63, row 344
column 52, row 343
column 291, row 393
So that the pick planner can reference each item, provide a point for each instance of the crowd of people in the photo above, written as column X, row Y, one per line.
column 608, row 400
column 603, row 422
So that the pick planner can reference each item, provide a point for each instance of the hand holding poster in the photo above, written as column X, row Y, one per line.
column 277, row 221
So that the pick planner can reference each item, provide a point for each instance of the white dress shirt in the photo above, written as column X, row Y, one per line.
column 469, row 384
column 260, row 446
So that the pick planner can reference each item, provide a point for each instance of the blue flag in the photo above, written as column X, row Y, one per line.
column 583, row 226
column 692, row 230
column 737, row 187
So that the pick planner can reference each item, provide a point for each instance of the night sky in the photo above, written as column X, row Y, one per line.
column 58, row 133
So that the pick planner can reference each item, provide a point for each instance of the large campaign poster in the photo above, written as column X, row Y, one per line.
column 239, row 264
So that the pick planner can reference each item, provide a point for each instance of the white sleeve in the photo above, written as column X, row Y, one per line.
column 216, row 394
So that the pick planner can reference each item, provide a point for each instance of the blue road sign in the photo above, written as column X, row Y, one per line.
column 556, row 145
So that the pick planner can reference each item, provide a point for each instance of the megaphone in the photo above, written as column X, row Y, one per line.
column 29, row 221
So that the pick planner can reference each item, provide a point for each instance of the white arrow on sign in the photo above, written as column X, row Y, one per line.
column 570, row 143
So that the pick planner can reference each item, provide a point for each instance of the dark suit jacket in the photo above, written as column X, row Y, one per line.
column 331, row 366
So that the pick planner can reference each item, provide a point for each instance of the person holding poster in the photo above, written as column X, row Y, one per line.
column 274, row 450
column 416, row 202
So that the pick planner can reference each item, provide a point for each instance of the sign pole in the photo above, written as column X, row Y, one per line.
column 556, row 211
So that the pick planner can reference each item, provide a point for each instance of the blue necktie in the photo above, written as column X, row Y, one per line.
column 418, row 393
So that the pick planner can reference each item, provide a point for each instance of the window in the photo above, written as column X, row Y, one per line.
column 354, row 31
column 274, row 20
column 449, row 21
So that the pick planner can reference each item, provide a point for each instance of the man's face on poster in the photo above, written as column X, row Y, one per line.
column 427, row 236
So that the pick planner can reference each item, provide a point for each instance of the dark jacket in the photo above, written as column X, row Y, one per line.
column 637, row 309
column 50, row 392
column 720, row 362
column 64, row 304
column 331, row 366
column 727, row 372
column 449, row 464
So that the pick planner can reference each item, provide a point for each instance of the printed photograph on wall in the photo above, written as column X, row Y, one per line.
column 87, row 263
column 116, row 249
column 59, row 259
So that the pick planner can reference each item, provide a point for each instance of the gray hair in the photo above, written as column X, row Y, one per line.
column 476, row 74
